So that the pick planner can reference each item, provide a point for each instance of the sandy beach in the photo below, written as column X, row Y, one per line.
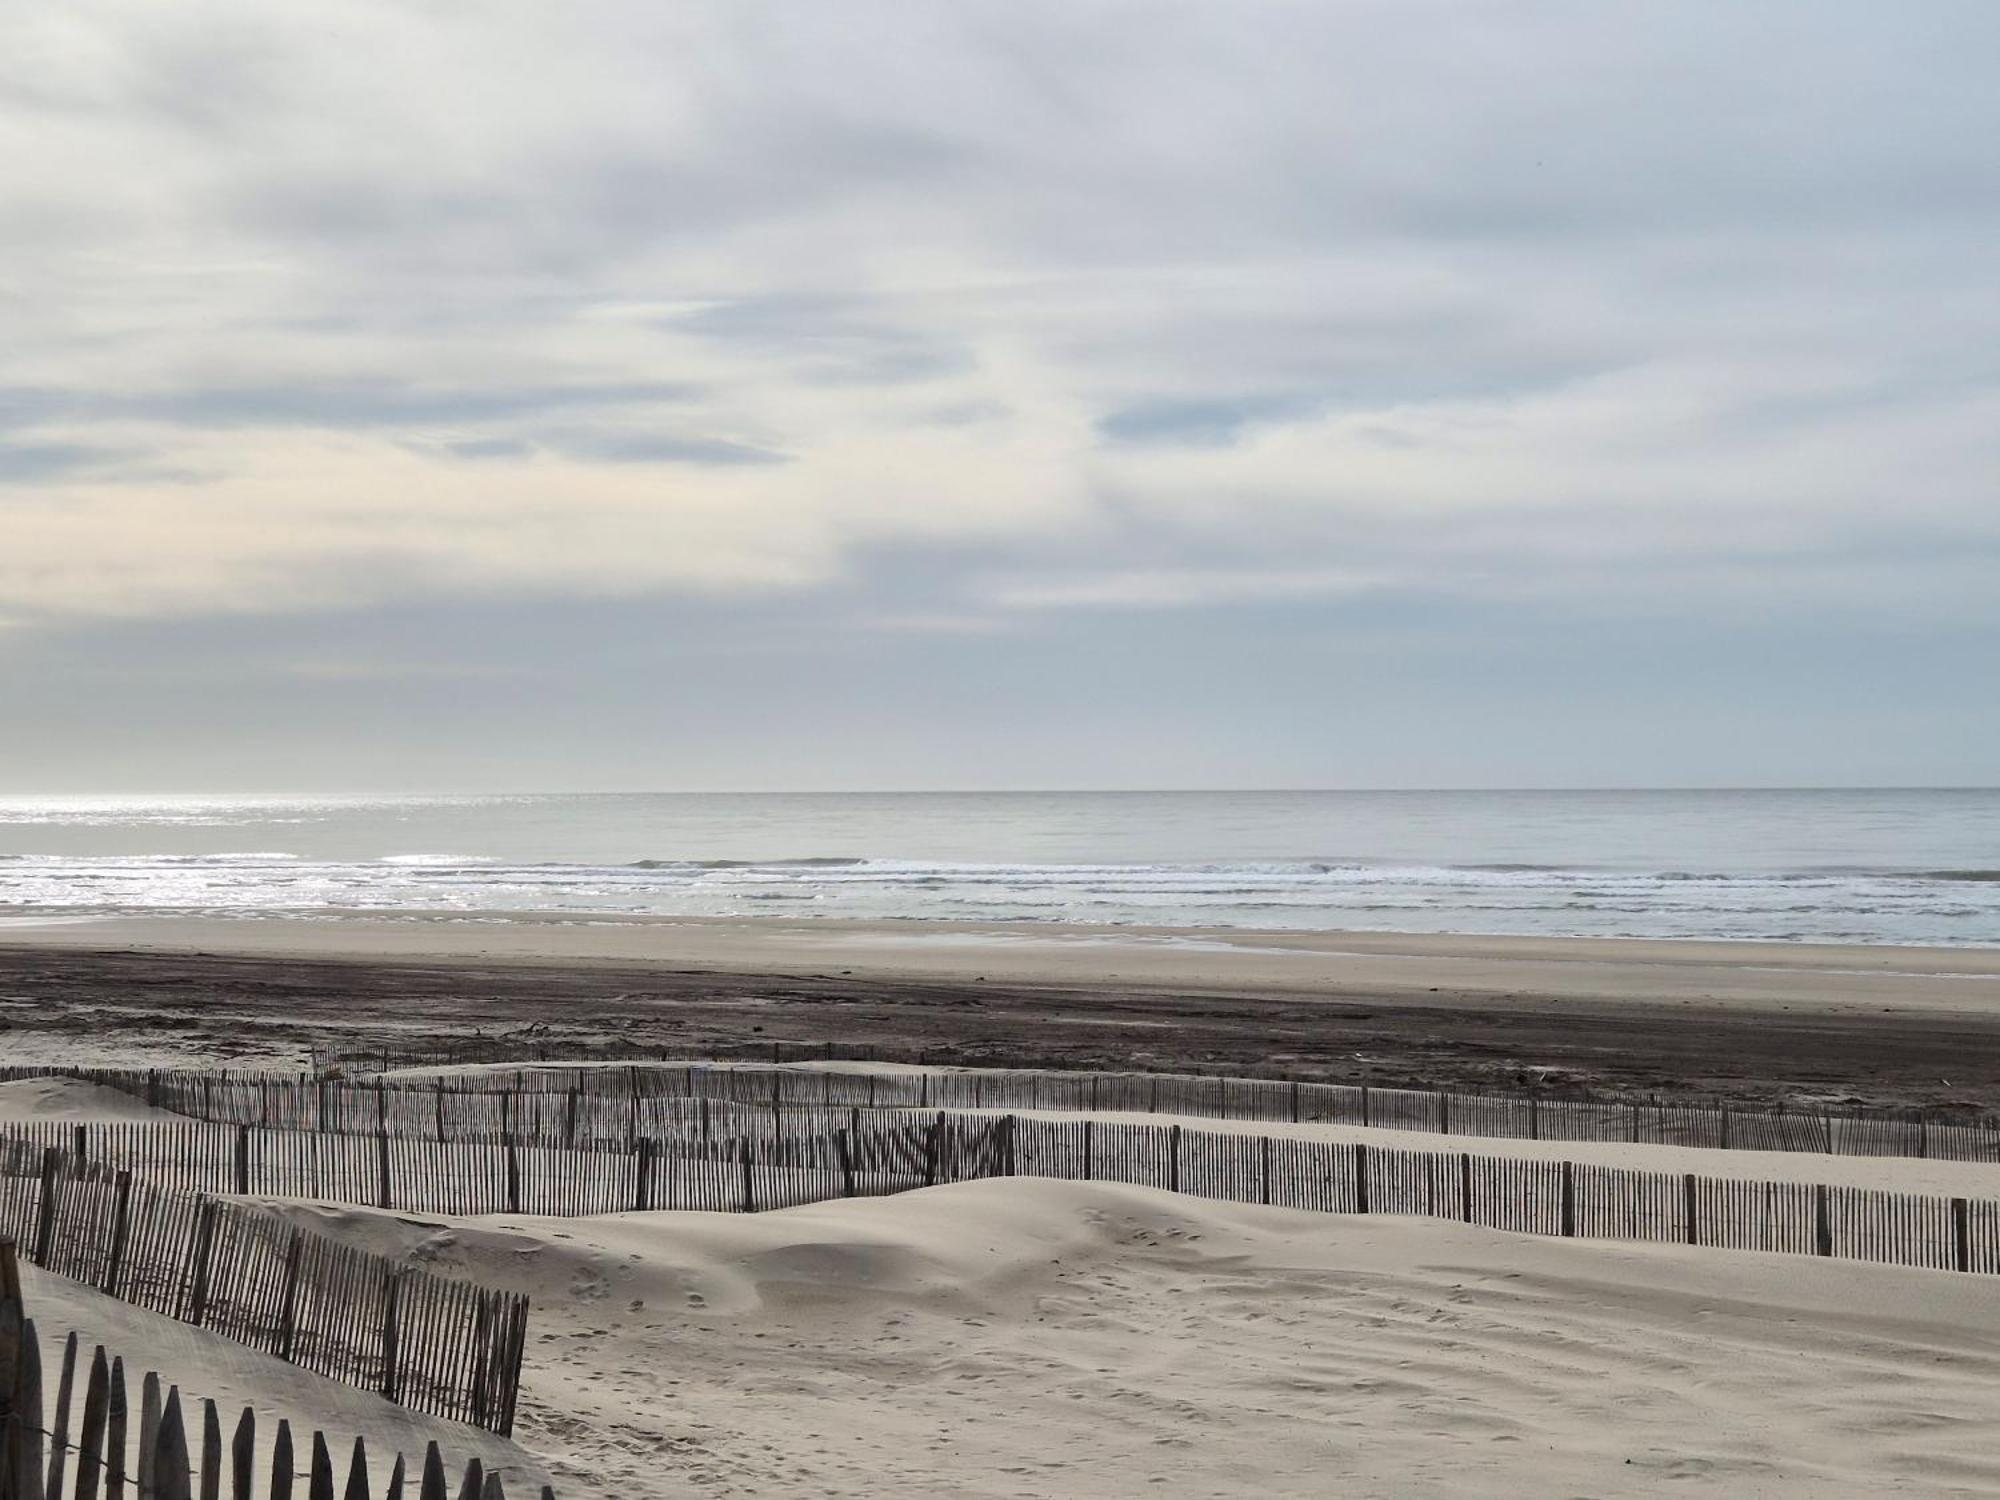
column 1034, row 1338
column 1755, row 1022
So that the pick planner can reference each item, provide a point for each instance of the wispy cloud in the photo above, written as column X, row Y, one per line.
column 958, row 318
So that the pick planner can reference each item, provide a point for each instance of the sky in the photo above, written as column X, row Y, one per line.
column 735, row 395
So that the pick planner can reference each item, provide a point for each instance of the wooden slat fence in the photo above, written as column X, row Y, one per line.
column 790, row 1157
column 737, row 1139
column 1524, row 1195
column 445, row 1347
column 798, row 1161
column 592, row 1105
column 81, row 1438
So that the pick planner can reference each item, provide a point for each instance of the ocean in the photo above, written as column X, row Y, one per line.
column 1869, row 866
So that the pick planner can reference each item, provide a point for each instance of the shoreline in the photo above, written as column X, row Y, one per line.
column 1754, row 1024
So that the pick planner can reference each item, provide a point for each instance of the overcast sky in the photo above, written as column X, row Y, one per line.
column 517, row 396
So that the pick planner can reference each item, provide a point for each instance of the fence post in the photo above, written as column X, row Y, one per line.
column 382, row 1168
column 243, row 1160
column 1444, row 1114
column 749, row 1189
column 243, row 1455
column 513, row 1176
column 121, row 1232
column 211, row 1452
column 1822, row 1221
column 1295, row 1101
column 1568, row 1200
column 932, row 1143
column 1465, row 1185
column 281, row 1463
column 288, row 1329
column 1724, row 1128
column 59, row 1436
column 170, row 1459
column 846, row 1160
column 22, row 1457
column 1173, row 1158
column 1089, row 1133
column 196, row 1304
column 1534, row 1118
column 482, row 1362
column 1961, row 1234
column 1264, row 1169
column 13, row 1338
column 1691, row 1209
column 642, row 1190
column 392, row 1298
column 45, row 1227
column 1360, row 1178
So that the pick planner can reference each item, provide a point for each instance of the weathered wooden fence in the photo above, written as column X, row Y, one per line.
column 584, row 1105
column 808, row 1153
column 43, row 1456
column 729, row 1159
column 1528, row 1196
column 445, row 1347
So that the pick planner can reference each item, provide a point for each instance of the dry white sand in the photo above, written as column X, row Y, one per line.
column 75, row 1101
column 1801, row 976
column 1032, row 1338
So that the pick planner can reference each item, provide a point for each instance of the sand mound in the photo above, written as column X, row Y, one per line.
column 31, row 1099
column 1026, row 1337
column 207, row 1366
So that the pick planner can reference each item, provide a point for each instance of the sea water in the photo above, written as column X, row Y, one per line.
column 1885, row 866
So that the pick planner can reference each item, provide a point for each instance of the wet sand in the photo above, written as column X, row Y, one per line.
column 1750, row 1022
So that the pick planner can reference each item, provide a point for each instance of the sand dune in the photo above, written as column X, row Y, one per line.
column 1031, row 1338
column 74, row 1100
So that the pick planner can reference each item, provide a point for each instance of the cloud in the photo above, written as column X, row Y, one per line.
column 27, row 463
column 1073, row 309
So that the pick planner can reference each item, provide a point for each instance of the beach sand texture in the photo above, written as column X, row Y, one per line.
column 1034, row 1338
column 1028, row 1337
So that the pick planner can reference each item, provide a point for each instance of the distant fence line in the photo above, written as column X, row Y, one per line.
column 436, row 1345
column 525, row 1050
column 160, row 1458
column 577, row 1105
column 798, row 1162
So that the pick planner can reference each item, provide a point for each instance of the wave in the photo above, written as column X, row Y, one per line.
column 807, row 862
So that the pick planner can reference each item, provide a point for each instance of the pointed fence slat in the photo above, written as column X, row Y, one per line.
column 166, row 1470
